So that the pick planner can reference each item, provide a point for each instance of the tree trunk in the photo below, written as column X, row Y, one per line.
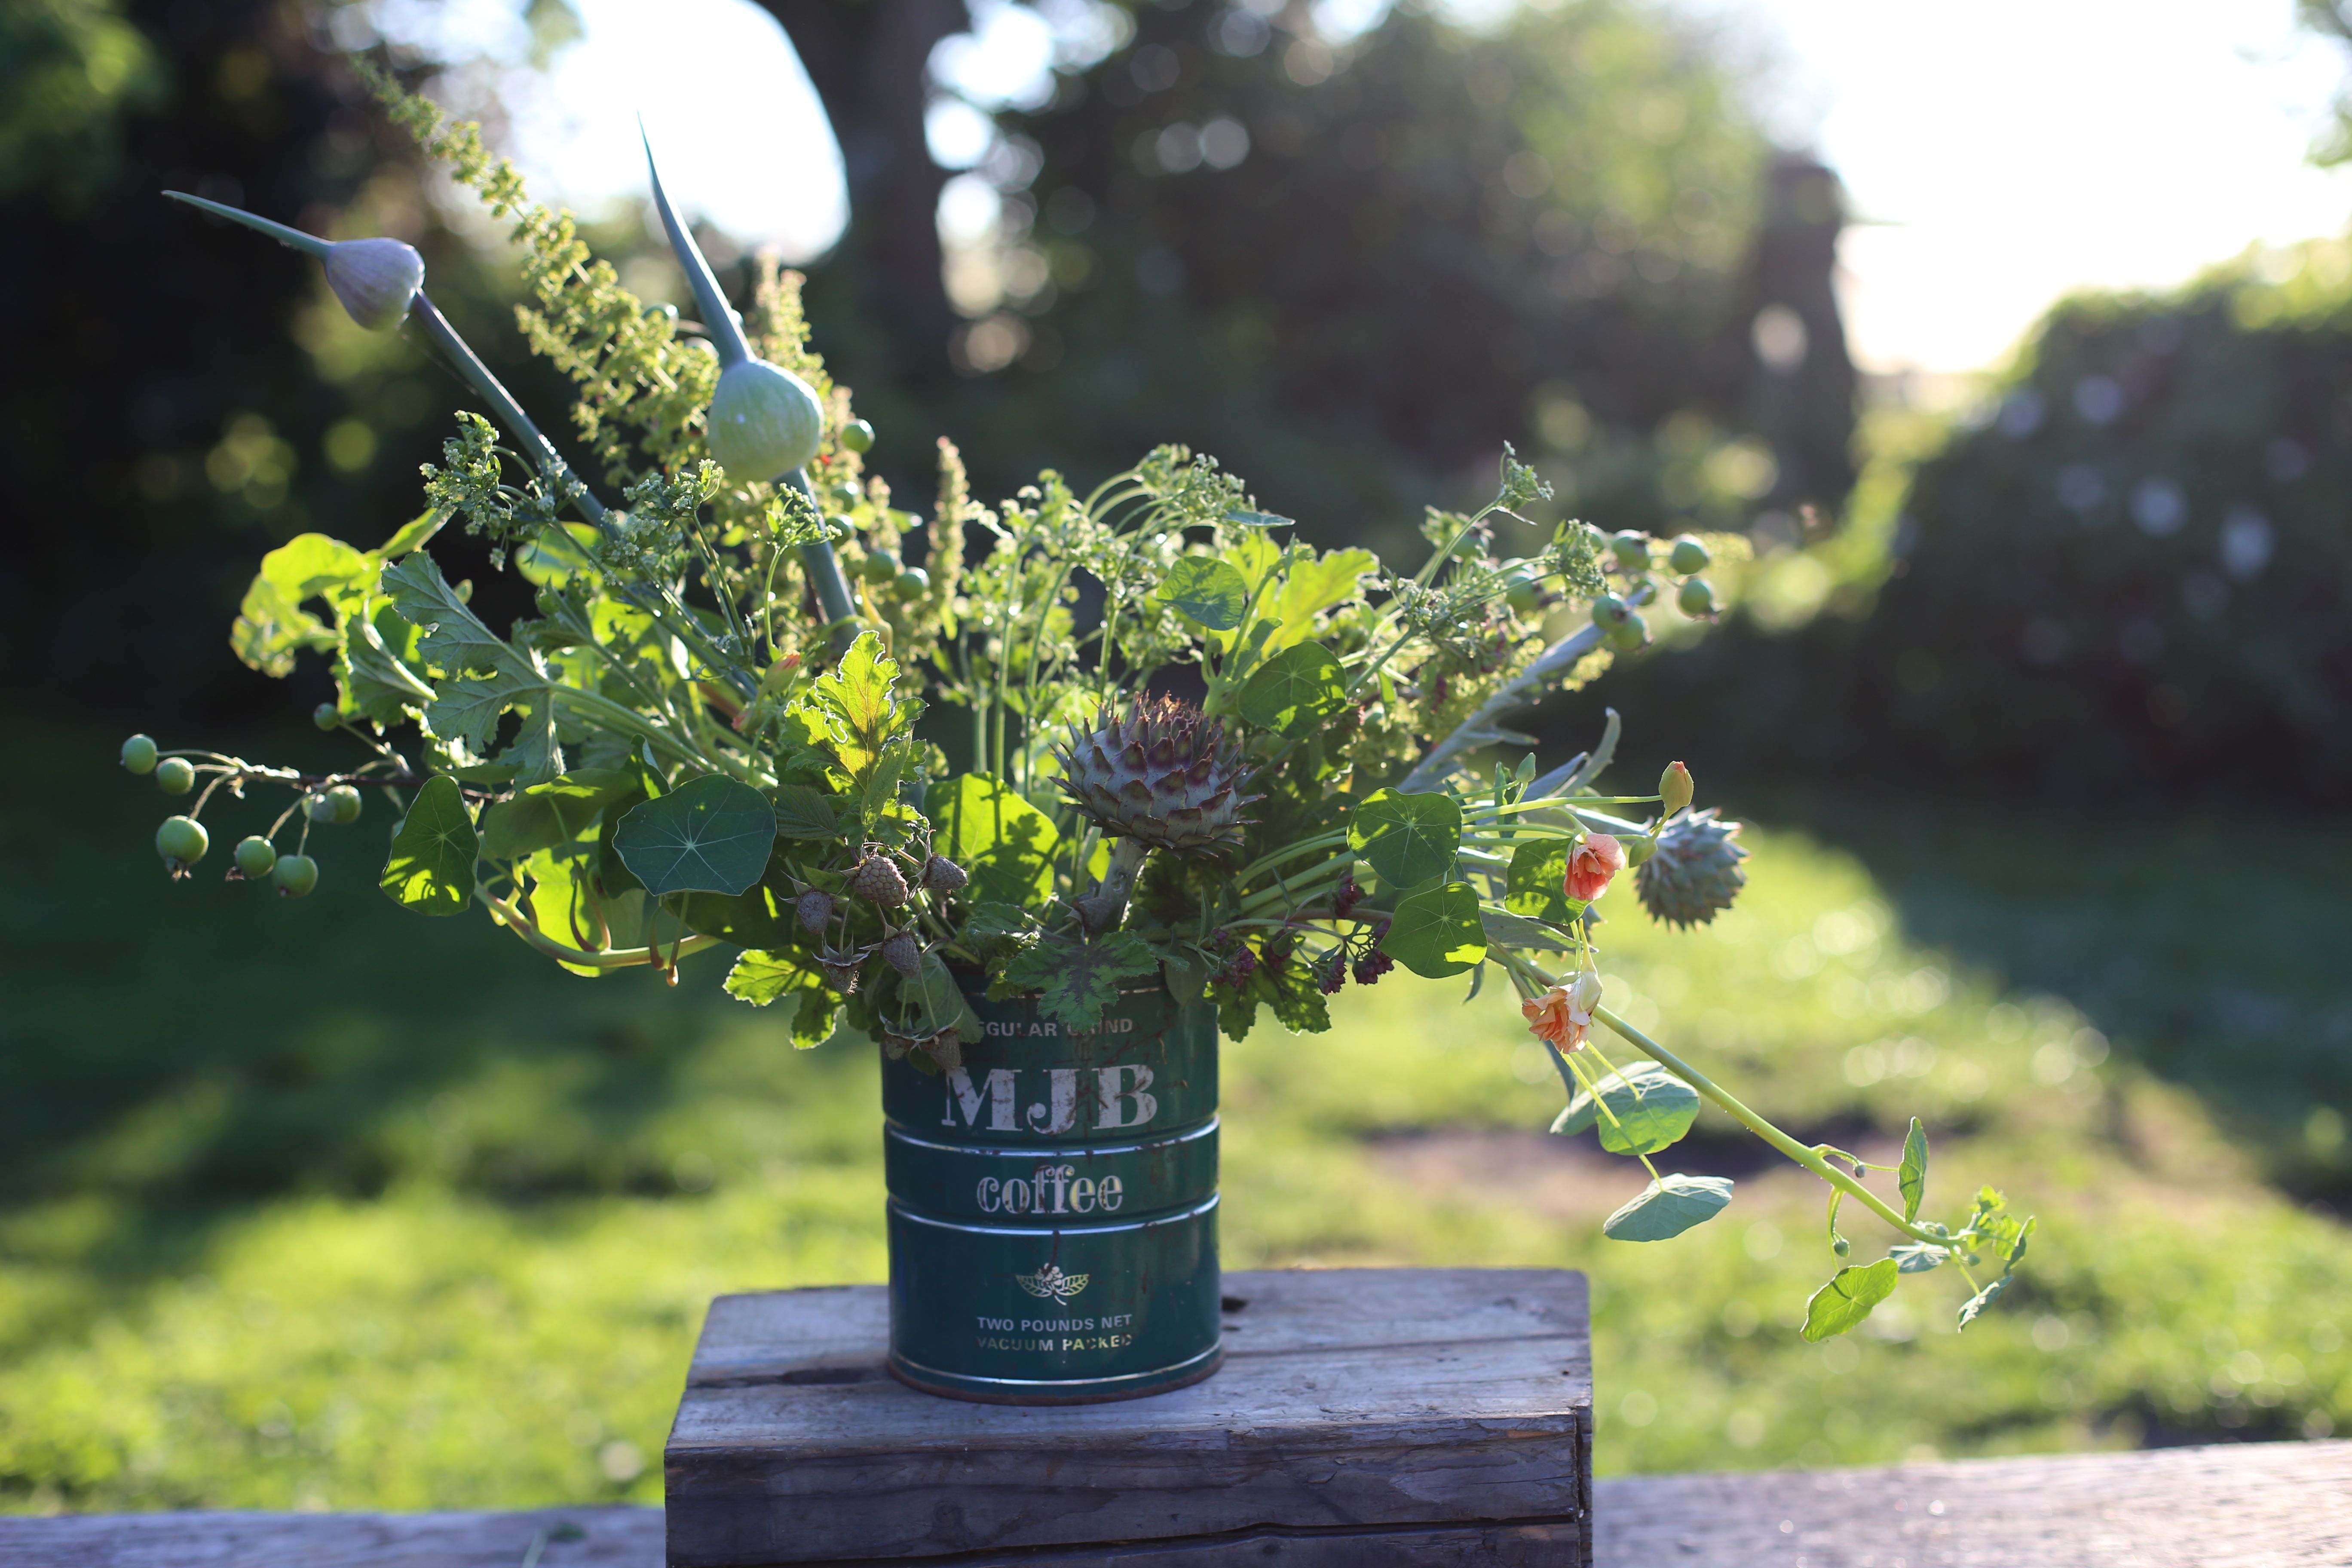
column 868, row 59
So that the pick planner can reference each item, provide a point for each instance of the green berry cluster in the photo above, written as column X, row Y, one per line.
column 182, row 840
column 1635, row 556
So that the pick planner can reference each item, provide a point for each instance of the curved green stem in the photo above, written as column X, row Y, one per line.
column 1809, row 1159
column 515, row 920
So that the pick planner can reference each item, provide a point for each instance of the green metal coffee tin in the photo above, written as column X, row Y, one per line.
column 1052, row 1207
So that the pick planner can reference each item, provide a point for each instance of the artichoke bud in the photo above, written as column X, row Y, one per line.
column 1163, row 774
column 765, row 421
column 376, row 280
column 1695, row 872
column 1676, row 788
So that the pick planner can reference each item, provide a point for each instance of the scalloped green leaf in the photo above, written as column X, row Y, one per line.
column 1294, row 690
column 1211, row 591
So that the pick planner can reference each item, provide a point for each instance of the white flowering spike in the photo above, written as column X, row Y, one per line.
column 376, row 280
column 764, row 422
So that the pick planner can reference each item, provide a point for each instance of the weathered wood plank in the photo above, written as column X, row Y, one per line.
column 608, row 1538
column 2248, row 1505
column 2254, row 1505
column 1350, row 1399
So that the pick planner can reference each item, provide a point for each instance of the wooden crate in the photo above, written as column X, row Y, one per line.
column 1364, row 1417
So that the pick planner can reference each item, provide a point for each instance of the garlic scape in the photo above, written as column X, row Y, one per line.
column 764, row 422
column 376, row 280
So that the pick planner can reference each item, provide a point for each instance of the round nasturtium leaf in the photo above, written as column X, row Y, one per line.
column 1406, row 839
column 1436, row 933
column 711, row 835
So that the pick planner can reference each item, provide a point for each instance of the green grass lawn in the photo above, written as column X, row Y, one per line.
column 321, row 1205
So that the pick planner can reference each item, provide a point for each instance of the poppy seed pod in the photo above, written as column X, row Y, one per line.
column 376, row 280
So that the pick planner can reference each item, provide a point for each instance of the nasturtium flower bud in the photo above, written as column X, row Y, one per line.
column 174, row 775
column 1632, row 550
column 139, row 754
column 1676, row 788
column 1696, row 599
column 857, row 435
column 1690, row 555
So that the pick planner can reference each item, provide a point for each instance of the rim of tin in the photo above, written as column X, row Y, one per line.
column 898, row 1208
column 1057, row 1391
column 1050, row 1151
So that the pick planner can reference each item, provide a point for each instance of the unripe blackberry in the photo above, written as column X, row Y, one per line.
column 903, row 954
column 1630, row 633
column 942, row 876
column 139, row 755
column 175, row 775
column 815, row 909
column 878, row 880
column 1696, row 599
column 1609, row 612
column 1632, row 550
column 1690, row 557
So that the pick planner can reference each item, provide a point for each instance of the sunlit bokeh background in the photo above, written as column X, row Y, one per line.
column 2015, row 339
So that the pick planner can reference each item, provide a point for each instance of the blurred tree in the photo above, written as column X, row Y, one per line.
column 185, row 396
column 869, row 62
column 1352, row 269
column 2126, row 578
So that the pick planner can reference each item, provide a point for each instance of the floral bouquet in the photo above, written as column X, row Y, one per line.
column 1139, row 734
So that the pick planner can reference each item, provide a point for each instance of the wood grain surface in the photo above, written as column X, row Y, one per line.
column 1351, row 1401
column 2253, row 1505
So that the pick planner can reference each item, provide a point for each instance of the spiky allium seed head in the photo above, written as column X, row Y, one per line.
column 1161, row 774
column 1694, row 873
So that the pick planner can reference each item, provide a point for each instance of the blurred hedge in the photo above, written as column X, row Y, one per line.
column 2128, row 574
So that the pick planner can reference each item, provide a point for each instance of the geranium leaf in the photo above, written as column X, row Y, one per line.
column 1211, row 591
column 1004, row 843
column 1294, row 690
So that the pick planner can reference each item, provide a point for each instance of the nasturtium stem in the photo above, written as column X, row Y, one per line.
column 1809, row 1159
column 513, row 917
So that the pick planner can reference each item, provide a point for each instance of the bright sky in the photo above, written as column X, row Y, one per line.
column 2011, row 150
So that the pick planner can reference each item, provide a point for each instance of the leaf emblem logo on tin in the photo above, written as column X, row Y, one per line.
column 1050, row 1284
